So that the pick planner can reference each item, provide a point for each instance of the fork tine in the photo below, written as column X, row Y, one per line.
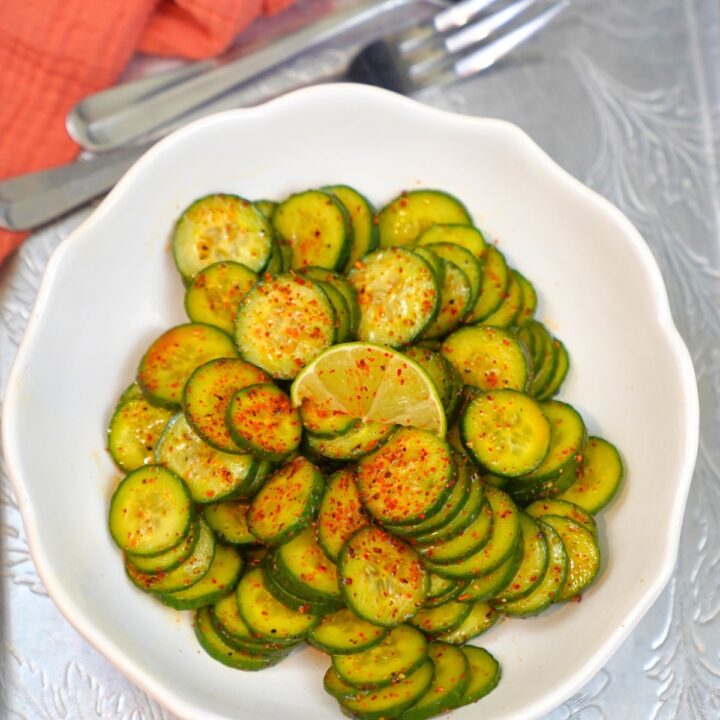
column 459, row 14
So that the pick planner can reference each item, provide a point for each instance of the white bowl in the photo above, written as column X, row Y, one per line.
column 111, row 288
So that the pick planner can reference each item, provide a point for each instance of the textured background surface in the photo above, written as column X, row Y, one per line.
column 625, row 96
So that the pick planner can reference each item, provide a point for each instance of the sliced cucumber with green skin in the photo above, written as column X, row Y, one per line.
column 362, row 216
column 266, row 207
column 229, row 521
column 529, row 302
column 284, row 323
column 479, row 620
column 440, row 372
column 442, row 590
column 391, row 701
column 400, row 653
column 342, row 285
column 562, row 365
column 150, row 511
column 362, row 439
column 262, row 420
column 381, row 577
column 210, row 475
column 185, row 575
column 341, row 512
column 286, row 505
column 441, row 618
column 317, row 228
column 220, row 580
column 526, row 335
column 486, row 587
column 496, row 276
column 343, row 319
column 134, row 430
column 463, row 259
column 207, row 395
column 275, row 585
column 170, row 559
column 221, row 227
column 544, row 368
column 488, row 358
column 276, row 264
column 322, row 422
column 455, row 301
column 583, row 555
column 534, row 562
column 344, row 633
column 436, row 264
column 484, row 675
column 506, row 432
column 226, row 620
column 599, row 476
column 403, row 220
column 465, row 236
column 398, row 296
column 173, row 357
column 556, row 506
column 215, row 293
column 548, row 591
column 264, row 615
column 452, row 676
column 507, row 314
column 407, row 479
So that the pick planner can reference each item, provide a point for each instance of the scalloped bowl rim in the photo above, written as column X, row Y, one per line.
column 379, row 100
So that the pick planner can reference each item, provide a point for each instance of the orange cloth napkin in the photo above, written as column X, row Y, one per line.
column 55, row 52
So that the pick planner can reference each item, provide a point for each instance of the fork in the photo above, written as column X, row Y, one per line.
column 458, row 42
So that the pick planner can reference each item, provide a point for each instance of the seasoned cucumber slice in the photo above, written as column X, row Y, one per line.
column 545, row 360
column 496, row 276
column 317, row 228
column 463, row 259
column 442, row 590
column 479, row 620
column 274, row 584
column 264, row 615
column 323, row 422
column 170, row 559
column 488, row 358
column 283, row 323
column 442, row 374
column 548, row 591
column 266, row 207
column 452, row 676
column 172, row 358
column 407, row 479
column 401, row 652
column 484, row 675
column 262, row 420
column 150, row 511
column 398, row 296
column 210, row 475
column 344, row 633
column 365, row 236
column 215, row 293
column 219, row 580
column 286, row 505
column 343, row 318
column 562, row 365
column 556, row 506
column 436, row 264
column 486, row 587
column 529, row 299
column 207, row 395
column 507, row 314
column 221, row 227
column 341, row 512
column 583, row 555
column 382, row 578
column 226, row 619
column 404, row 219
column 360, row 440
column 441, row 618
column 598, row 477
column 455, row 301
column 134, row 430
column 465, row 236
column 341, row 284
column 506, row 432
column 229, row 521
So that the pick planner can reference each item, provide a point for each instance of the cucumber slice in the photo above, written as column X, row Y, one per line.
column 436, row 264
column 465, row 236
column 210, row 475
column 323, row 422
column 562, row 365
column 399, row 654
column 317, row 228
column 221, row 227
column 275, row 585
column 283, row 324
column 407, row 479
column 362, row 215
column 506, row 432
column 344, row 633
column 362, row 439
column 382, row 578
column 266, row 207
column 150, row 511
column 546, row 364
column 134, row 430
column 452, row 676
column 341, row 512
column 496, row 276
column 486, row 587
column 404, row 219
column 455, row 301
column 398, row 296
column 484, row 675
column 529, row 302
column 234, row 630
column 441, row 618
column 215, row 293
column 488, row 358
column 462, row 258
column 172, row 358
column 442, row 590
column 563, row 508
column 479, row 620
column 598, row 478
column 170, row 559
column 261, row 419
column 441, row 373
column 220, row 580
column 229, row 521
column 507, row 314
column 287, row 503
column 342, row 286
column 207, row 396
column 343, row 319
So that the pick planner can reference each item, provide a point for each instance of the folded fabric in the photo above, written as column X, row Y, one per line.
column 55, row 52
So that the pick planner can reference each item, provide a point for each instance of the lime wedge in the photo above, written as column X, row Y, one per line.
column 371, row 383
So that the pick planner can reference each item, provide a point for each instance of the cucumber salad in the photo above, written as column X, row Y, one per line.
column 355, row 441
